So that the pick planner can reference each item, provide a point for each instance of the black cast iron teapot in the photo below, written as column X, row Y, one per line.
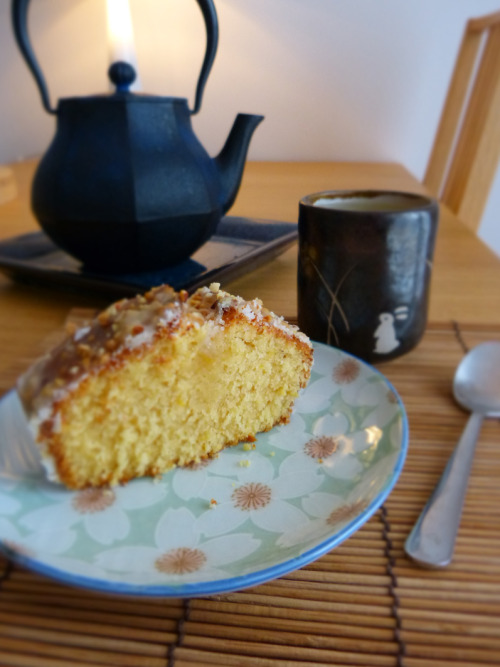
column 125, row 184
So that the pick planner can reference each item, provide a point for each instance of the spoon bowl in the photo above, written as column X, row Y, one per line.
column 476, row 387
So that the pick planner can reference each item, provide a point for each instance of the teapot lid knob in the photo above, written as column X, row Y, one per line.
column 122, row 75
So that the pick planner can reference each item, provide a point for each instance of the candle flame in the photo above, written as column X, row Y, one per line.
column 120, row 31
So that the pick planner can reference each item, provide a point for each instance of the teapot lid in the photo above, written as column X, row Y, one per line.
column 122, row 75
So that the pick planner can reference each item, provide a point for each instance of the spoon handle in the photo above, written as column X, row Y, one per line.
column 432, row 540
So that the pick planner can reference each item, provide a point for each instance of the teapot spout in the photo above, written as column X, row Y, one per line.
column 231, row 160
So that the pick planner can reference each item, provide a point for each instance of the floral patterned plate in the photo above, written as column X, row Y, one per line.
column 252, row 514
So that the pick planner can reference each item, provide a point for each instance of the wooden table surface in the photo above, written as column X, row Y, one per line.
column 466, row 272
column 364, row 603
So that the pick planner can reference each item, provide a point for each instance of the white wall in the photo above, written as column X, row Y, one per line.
column 336, row 79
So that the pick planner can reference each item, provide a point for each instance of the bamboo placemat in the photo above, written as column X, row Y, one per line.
column 364, row 603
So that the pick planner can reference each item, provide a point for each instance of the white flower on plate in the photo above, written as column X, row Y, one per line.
column 259, row 496
column 179, row 554
column 329, row 447
column 398, row 433
column 188, row 482
column 331, row 513
column 386, row 409
column 102, row 512
column 339, row 373
column 234, row 462
column 35, row 545
column 8, row 504
column 292, row 436
column 46, row 548
column 334, row 509
column 380, row 475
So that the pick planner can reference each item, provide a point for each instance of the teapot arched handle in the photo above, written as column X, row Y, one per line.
column 20, row 25
column 212, row 27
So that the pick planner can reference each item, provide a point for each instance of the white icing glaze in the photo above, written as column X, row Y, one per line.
column 80, row 333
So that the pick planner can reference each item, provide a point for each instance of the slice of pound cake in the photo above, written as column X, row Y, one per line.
column 162, row 380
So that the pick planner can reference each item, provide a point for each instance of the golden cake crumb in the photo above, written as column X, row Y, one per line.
column 162, row 380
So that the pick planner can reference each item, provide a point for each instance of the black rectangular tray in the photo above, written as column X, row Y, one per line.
column 239, row 245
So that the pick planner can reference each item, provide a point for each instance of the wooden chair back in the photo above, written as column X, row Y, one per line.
column 466, row 150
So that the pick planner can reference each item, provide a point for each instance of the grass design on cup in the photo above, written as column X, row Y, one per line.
column 334, row 303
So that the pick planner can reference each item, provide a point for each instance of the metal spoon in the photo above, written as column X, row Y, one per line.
column 476, row 387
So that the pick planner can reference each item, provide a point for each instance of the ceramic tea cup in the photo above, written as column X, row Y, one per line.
column 364, row 269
